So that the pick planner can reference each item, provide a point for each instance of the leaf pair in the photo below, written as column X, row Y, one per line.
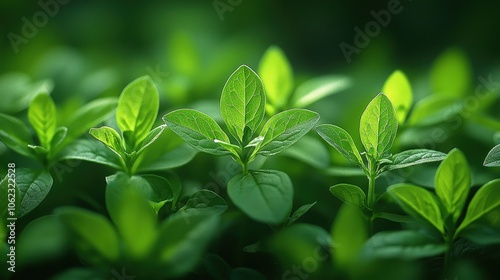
column 135, row 115
column 242, row 108
column 277, row 76
column 452, row 183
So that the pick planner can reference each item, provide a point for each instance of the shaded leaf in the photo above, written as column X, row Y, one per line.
column 349, row 194
column 264, row 195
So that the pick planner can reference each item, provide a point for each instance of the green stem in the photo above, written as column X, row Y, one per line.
column 447, row 256
column 371, row 183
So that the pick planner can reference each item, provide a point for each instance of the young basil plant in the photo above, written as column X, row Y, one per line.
column 264, row 195
column 442, row 211
column 33, row 185
column 277, row 77
column 377, row 129
column 137, row 146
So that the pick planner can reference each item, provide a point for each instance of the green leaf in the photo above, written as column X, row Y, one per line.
column 452, row 182
column 109, row 137
column 276, row 74
column 137, row 109
column 160, row 188
column 342, row 141
column 198, row 130
column 264, row 195
column 33, row 187
column 309, row 150
column 43, row 239
column 87, row 150
column 433, row 109
column 300, row 212
column 205, row 202
column 349, row 233
column 15, row 135
column 284, row 129
column 451, row 74
column 318, row 88
column 151, row 137
column 176, row 157
column 419, row 203
column 486, row 200
column 349, row 194
column 378, row 126
column 17, row 91
column 406, row 244
column 493, row 157
column 182, row 240
column 59, row 137
column 242, row 103
column 413, row 157
column 393, row 217
column 42, row 117
column 94, row 232
column 88, row 116
column 398, row 89
column 481, row 234
column 134, row 218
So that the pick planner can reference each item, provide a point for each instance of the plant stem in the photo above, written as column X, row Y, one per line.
column 371, row 183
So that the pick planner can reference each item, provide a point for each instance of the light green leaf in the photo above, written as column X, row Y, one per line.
column 452, row 182
column 15, row 135
column 33, row 187
column 300, row 212
column 242, row 103
column 451, row 73
column 198, row 130
column 419, row 203
column 413, row 157
column 182, row 240
column 264, row 195
column 486, row 200
column 406, row 244
column 176, row 157
column 319, row 88
column 205, row 202
column 59, row 137
column 493, row 157
column 276, row 74
column 109, row 137
column 93, row 231
column 398, row 89
column 89, row 115
column 151, row 137
column 342, row 141
column 284, row 129
column 42, row 117
column 349, row 194
column 378, row 126
column 87, row 150
column 137, row 109
column 134, row 218
column 349, row 233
